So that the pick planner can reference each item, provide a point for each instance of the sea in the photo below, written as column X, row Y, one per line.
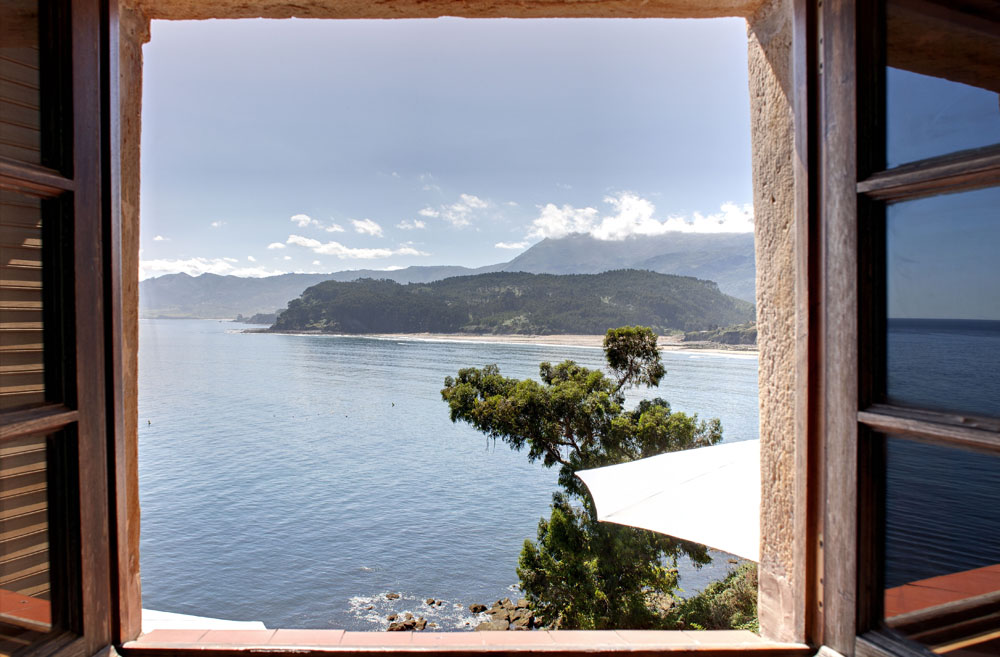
column 296, row 480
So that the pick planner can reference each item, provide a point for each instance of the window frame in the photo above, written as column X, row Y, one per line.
column 856, row 186
column 828, row 292
column 71, row 184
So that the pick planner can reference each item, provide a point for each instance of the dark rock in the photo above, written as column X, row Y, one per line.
column 522, row 623
column 392, row 596
column 408, row 616
column 477, row 609
column 439, row 603
column 421, row 624
column 370, row 607
column 395, row 627
column 391, row 617
column 506, row 603
column 522, row 603
column 432, row 625
column 429, row 601
column 499, row 614
column 493, row 626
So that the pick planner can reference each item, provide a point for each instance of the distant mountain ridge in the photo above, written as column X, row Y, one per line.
column 516, row 302
column 726, row 258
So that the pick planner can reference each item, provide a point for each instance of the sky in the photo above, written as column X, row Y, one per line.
column 316, row 146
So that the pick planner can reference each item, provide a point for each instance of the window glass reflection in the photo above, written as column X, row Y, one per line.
column 942, row 547
column 943, row 302
column 943, row 80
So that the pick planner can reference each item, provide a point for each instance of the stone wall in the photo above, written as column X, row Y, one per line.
column 782, row 567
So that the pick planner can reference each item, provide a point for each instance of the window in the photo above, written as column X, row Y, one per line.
column 929, row 328
column 811, row 561
column 53, row 487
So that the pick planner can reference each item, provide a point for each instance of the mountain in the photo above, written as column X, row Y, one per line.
column 212, row 296
column 726, row 258
column 515, row 302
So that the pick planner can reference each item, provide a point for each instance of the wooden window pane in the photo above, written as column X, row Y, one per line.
column 943, row 78
column 22, row 370
column 25, row 610
column 943, row 302
column 942, row 546
column 20, row 114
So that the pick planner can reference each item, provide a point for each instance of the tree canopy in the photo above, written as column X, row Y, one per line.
column 581, row 573
column 515, row 302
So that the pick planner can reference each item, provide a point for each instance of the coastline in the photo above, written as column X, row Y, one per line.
column 665, row 342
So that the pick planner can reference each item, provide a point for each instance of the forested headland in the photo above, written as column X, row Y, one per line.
column 516, row 303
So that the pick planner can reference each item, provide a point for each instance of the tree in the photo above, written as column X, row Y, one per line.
column 582, row 573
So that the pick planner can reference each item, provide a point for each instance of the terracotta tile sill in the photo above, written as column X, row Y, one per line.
column 564, row 642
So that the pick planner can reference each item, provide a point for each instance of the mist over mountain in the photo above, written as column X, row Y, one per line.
column 726, row 258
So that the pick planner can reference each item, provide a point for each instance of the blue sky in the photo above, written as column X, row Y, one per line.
column 279, row 146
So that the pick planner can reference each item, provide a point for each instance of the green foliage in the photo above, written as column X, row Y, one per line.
column 741, row 334
column 582, row 573
column 730, row 603
column 515, row 302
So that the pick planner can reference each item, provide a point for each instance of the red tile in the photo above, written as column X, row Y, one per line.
column 647, row 638
column 517, row 638
column 172, row 636
column 306, row 637
column 388, row 639
column 586, row 638
column 907, row 598
column 237, row 637
column 448, row 639
column 724, row 637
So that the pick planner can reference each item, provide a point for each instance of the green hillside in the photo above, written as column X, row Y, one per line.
column 514, row 302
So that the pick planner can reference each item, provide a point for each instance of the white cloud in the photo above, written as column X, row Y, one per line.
column 334, row 228
column 560, row 222
column 217, row 224
column 634, row 215
column 367, row 227
column 461, row 213
column 230, row 259
column 512, row 245
column 303, row 220
column 161, row 238
column 347, row 253
column 251, row 259
column 411, row 225
column 198, row 266
column 316, row 263
column 287, row 258
column 276, row 245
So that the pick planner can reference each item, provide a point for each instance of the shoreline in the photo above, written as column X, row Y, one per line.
column 665, row 343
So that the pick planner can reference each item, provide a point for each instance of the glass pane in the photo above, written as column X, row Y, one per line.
column 942, row 546
column 25, row 611
column 943, row 294
column 22, row 374
column 942, row 81
column 19, row 81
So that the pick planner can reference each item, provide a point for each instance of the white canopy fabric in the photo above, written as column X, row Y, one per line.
column 708, row 495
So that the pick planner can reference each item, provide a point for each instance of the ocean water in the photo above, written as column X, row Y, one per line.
column 297, row 479
column 942, row 503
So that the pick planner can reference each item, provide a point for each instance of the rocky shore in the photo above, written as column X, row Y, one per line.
column 504, row 615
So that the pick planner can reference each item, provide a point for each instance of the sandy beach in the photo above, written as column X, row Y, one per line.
column 666, row 343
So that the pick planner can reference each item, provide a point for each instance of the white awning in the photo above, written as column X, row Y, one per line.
column 708, row 495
